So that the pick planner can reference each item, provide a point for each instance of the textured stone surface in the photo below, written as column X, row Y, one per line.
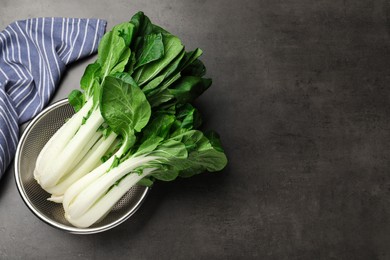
column 301, row 101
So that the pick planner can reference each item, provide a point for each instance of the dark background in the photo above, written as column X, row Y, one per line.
column 301, row 101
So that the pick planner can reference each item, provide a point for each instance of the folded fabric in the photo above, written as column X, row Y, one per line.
column 33, row 56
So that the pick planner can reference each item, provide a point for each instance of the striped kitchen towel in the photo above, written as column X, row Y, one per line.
column 33, row 56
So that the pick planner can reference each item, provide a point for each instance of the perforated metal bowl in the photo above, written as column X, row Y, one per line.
column 35, row 136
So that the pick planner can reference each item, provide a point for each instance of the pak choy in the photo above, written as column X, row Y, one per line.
column 134, row 123
column 137, row 52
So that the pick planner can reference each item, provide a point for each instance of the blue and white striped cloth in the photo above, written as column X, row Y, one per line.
column 33, row 56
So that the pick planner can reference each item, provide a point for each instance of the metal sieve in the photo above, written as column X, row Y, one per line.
column 35, row 136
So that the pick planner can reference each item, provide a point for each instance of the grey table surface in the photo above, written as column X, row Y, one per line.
column 300, row 98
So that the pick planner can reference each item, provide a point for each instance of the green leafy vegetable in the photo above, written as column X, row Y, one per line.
column 135, row 123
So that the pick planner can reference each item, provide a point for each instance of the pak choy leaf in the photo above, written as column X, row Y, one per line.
column 189, row 117
column 185, row 89
column 204, row 154
column 126, row 31
column 157, row 130
column 90, row 79
column 196, row 68
column 184, row 155
column 152, row 48
column 142, row 24
column 172, row 72
column 76, row 99
column 165, row 78
column 189, row 58
column 172, row 48
column 113, row 52
column 125, row 77
column 188, row 88
column 171, row 153
column 113, row 55
column 190, row 151
column 124, row 108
